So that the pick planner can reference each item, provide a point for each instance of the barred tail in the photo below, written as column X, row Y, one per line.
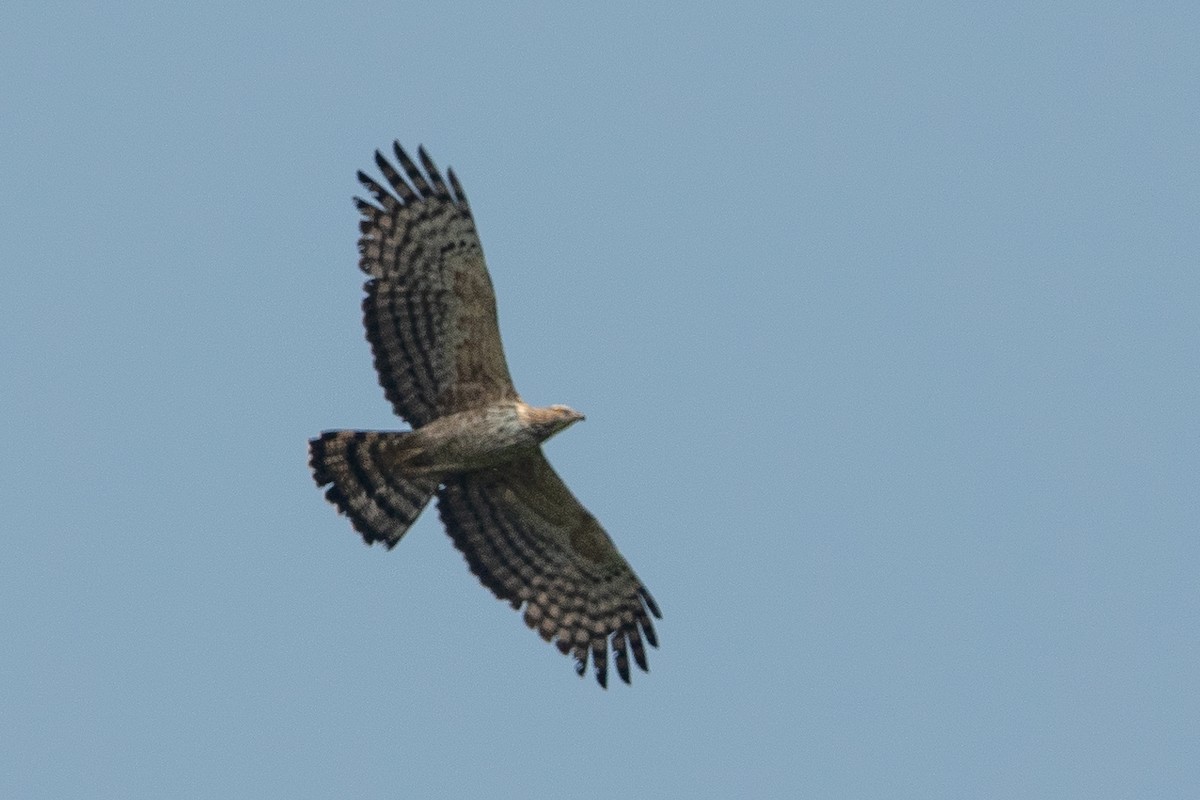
column 364, row 484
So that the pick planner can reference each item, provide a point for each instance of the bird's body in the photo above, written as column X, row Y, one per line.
column 430, row 316
column 480, row 438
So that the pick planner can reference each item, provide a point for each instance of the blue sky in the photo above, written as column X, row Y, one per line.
column 884, row 321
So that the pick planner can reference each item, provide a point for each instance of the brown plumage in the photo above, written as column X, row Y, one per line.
column 430, row 316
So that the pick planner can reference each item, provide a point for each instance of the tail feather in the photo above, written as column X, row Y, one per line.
column 364, row 484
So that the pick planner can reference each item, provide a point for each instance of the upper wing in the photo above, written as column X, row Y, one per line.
column 530, row 541
column 430, row 311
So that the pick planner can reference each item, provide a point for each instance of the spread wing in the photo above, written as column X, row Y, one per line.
column 531, row 542
column 430, row 311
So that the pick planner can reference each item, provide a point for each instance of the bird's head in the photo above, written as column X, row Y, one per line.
column 549, row 420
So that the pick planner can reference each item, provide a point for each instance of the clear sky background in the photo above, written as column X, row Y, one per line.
column 885, row 323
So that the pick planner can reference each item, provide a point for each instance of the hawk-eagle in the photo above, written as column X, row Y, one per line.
column 430, row 315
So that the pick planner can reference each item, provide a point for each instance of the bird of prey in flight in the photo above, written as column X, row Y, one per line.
column 430, row 316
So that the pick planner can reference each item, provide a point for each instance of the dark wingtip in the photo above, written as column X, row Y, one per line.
column 460, row 196
column 435, row 176
column 622, row 656
column 600, row 661
column 316, row 460
column 639, row 652
column 650, row 604
column 648, row 631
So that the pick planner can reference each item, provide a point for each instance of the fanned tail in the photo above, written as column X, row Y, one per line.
column 364, row 484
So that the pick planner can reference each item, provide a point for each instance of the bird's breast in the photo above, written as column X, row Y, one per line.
column 475, row 439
